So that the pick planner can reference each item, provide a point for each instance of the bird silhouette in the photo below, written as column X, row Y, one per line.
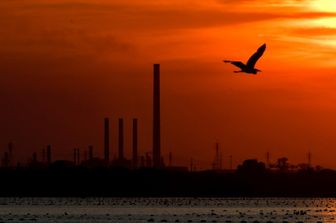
column 249, row 66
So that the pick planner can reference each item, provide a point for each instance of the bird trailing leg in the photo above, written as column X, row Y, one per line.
column 237, row 71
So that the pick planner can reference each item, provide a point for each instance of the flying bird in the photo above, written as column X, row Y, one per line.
column 249, row 66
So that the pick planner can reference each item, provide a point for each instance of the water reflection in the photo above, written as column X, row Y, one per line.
column 167, row 210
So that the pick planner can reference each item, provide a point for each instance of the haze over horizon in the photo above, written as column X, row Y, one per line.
column 65, row 65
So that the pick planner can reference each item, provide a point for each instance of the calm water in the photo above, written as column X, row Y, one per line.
column 66, row 210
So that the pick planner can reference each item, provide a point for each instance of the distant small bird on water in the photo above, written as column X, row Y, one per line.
column 249, row 66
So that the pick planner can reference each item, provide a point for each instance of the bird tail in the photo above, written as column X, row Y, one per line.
column 227, row 61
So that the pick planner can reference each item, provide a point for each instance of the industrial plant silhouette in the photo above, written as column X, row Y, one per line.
column 149, row 175
column 152, row 159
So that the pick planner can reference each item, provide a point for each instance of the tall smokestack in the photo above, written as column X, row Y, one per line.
column 121, row 139
column 48, row 154
column 90, row 152
column 156, row 118
column 135, row 143
column 106, row 140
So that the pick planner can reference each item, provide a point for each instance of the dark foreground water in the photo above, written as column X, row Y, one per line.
column 125, row 210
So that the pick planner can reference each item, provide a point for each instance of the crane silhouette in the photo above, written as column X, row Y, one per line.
column 249, row 66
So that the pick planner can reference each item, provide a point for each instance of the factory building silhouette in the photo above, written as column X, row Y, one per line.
column 151, row 161
column 86, row 157
column 147, row 160
column 155, row 160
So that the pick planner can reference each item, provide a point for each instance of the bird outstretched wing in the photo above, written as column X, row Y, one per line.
column 255, row 57
column 239, row 64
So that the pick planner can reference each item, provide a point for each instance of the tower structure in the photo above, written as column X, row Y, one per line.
column 156, row 118
column 121, row 140
column 135, row 143
column 106, row 139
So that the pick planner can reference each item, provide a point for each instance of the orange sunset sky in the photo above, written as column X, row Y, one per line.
column 67, row 64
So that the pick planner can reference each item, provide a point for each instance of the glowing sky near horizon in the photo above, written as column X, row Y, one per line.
column 65, row 65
